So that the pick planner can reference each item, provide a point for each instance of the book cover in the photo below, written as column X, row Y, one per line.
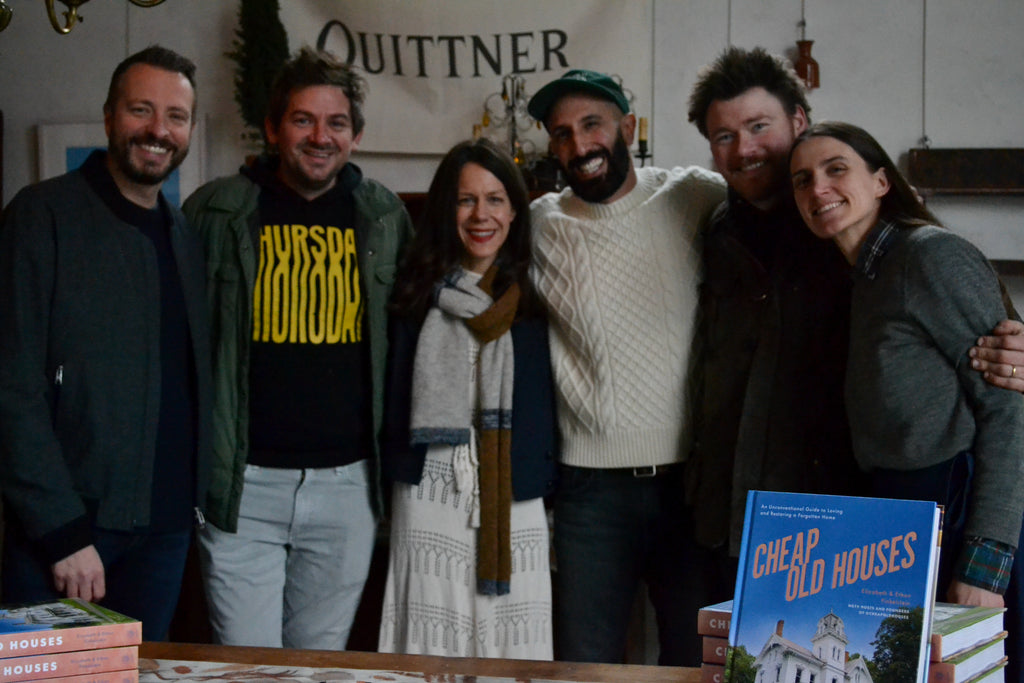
column 64, row 664
column 969, row 663
column 960, row 627
column 63, row 626
column 713, row 620
column 833, row 588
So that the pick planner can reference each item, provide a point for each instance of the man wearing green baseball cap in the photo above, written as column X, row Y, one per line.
column 616, row 263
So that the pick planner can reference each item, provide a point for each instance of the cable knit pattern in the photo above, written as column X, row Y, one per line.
column 620, row 282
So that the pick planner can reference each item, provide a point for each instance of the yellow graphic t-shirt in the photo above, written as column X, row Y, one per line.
column 309, row 386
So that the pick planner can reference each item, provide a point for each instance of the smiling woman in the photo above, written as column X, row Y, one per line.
column 483, row 216
column 921, row 297
column 469, row 430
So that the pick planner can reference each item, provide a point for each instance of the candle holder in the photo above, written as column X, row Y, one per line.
column 642, row 153
column 507, row 109
column 642, row 150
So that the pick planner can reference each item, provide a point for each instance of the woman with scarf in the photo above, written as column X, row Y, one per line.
column 469, row 436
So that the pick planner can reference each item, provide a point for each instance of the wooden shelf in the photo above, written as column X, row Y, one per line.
column 982, row 171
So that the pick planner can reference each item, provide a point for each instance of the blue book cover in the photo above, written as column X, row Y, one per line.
column 833, row 589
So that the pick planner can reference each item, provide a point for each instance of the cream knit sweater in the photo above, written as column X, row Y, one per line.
column 620, row 284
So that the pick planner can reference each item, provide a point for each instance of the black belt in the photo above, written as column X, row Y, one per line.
column 647, row 470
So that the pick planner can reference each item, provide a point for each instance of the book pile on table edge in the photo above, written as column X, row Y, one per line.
column 713, row 627
column 69, row 639
column 966, row 643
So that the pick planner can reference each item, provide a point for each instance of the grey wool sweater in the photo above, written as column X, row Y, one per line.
column 919, row 304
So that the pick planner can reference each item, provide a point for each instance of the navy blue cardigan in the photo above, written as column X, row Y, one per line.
column 534, row 428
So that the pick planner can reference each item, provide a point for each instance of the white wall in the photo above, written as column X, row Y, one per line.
column 888, row 65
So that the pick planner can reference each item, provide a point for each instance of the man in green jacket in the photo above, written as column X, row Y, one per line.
column 301, row 253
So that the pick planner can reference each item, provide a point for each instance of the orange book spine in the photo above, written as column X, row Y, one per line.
column 128, row 676
column 62, row 664
column 712, row 673
column 941, row 672
column 714, row 650
column 713, row 623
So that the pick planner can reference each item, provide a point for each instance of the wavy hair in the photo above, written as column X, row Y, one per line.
column 738, row 70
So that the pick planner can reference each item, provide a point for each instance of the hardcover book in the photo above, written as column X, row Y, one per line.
column 129, row 676
column 833, row 588
column 64, row 664
column 714, row 650
column 711, row 673
column 956, row 628
column 994, row 674
column 713, row 620
column 969, row 664
column 63, row 626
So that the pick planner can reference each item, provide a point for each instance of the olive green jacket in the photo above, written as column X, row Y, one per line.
column 224, row 212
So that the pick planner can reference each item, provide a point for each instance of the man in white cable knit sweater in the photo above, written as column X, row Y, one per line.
column 617, row 262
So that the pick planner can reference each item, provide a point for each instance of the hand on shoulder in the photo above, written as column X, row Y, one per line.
column 1000, row 356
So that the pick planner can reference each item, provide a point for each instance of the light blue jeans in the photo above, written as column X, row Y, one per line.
column 293, row 574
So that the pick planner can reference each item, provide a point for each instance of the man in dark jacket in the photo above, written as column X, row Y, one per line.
column 301, row 251
column 771, row 337
column 104, row 385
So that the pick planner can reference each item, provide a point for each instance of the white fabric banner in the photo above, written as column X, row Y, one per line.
column 431, row 64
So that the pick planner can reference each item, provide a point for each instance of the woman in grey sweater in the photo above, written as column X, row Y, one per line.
column 924, row 424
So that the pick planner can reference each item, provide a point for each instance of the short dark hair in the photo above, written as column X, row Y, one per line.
column 900, row 204
column 738, row 70
column 161, row 58
column 311, row 67
column 436, row 248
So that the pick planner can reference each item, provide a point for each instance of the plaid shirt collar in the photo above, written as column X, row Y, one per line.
column 875, row 247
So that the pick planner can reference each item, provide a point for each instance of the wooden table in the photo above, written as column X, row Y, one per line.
column 437, row 668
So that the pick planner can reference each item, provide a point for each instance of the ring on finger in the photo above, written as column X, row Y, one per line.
column 1013, row 371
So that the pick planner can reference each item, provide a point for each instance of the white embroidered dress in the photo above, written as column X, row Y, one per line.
column 431, row 605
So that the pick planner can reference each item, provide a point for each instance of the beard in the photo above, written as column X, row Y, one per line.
column 120, row 150
column 596, row 190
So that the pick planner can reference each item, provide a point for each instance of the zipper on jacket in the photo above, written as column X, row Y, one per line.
column 200, row 518
column 58, row 377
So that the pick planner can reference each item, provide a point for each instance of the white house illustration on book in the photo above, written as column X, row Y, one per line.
column 783, row 661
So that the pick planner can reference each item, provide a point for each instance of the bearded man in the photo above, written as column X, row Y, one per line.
column 105, row 388
column 616, row 263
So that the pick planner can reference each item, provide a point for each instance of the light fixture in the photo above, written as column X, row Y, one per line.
column 806, row 66
column 5, row 15
column 70, row 15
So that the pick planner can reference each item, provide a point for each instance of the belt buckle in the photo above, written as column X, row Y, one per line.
column 644, row 472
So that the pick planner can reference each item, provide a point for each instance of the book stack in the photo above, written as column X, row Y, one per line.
column 713, row 628
column 967, row 645
column 69, row 639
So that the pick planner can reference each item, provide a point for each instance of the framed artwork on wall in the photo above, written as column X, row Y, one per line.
column 64, row 146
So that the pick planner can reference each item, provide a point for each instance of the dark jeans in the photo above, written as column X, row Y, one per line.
column 613, row 530
column 142, row 574
column 949, row 483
